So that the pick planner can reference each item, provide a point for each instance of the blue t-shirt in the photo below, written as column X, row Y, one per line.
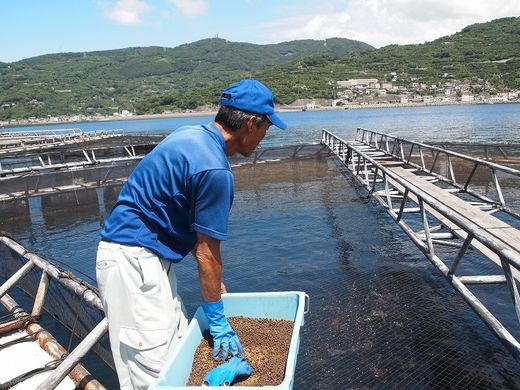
column 183, row 186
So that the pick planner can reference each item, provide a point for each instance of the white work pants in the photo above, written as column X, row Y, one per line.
column 146, row 317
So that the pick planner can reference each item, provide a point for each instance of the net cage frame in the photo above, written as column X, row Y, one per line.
column 63, row 296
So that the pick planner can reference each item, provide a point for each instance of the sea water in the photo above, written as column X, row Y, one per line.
column 381, row 316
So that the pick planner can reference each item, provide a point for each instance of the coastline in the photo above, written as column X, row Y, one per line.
column 195, row 113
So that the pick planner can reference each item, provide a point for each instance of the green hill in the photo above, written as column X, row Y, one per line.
column 480, row 53
column 485, row 52
column 155, row 79
column 105, row 81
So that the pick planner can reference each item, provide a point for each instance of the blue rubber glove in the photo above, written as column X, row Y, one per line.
column 223, row 334
column 226, row 373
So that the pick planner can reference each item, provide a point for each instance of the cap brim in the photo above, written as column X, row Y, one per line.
column 275, row 120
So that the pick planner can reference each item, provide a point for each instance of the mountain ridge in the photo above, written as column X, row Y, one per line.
column 100, row 81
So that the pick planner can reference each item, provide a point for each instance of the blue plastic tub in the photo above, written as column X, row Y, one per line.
column 290, row 305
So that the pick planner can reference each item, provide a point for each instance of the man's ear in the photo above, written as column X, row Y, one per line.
column 251, row 121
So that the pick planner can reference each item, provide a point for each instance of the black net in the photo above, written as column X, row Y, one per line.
column 381, row 316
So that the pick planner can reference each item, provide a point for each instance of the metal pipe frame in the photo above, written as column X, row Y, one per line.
column 501, row 148
column 36, row 169
column 66, row 280
column 293, row 152
column 489, row 164
column 27, row 141
column 392, row 183
column 129, row 155
column 363, row 136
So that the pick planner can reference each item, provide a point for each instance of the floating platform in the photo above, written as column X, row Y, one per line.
column 380, row 316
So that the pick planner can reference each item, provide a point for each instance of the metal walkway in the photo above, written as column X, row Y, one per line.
column 417, row 185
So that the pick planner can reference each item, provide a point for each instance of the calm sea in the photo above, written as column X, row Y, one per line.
column 457, row 123
column 380, row 315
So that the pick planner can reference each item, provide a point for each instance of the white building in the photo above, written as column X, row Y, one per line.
column 357, row 83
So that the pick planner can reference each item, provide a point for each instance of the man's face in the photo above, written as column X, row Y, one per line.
column 253, row 135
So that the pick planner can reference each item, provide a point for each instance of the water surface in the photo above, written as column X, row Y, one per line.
column 381, row 316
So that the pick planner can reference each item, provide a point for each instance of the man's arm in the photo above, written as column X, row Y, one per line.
column 209, row 263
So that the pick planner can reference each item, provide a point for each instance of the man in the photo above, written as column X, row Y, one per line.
column 177, row 200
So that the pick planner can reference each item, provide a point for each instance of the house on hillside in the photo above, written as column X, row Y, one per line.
column 359, row 83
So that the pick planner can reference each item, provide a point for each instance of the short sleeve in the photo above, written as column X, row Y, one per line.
column 212, row 193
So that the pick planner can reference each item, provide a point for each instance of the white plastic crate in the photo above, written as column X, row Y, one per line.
column 289, row 305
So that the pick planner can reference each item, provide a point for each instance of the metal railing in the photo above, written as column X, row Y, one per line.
column 92, row 172
column 386, row 187
column 128, row 153
column 404, row 150
column 15, row 142
column 72, row 132
column 52, row 273
column 500, row 153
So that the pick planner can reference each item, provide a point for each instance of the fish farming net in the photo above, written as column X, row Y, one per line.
column 68, row 308
column 380, row 315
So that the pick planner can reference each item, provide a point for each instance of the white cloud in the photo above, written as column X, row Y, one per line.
column 382, row 22
column 128, row 12
column 190, row 8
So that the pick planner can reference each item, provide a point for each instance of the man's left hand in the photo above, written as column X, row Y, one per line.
column 224, row 337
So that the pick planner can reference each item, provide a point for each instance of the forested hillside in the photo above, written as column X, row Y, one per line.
column 107, row 81
column 485, row 52
column 155, row 80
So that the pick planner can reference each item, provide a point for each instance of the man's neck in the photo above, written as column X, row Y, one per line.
column 230, row 138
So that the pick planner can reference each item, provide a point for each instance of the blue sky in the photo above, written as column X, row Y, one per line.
column 35, row 27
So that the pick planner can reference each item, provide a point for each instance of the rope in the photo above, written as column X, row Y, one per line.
column 73, row 331
column 7, row 318
column 63, row 274
column 25, row 338
column 71, row 276
column 25, row 319
column 20, row 378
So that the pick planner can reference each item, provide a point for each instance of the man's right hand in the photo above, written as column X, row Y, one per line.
column 224, row 337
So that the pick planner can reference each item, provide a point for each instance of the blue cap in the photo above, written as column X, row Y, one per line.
column 252, row 96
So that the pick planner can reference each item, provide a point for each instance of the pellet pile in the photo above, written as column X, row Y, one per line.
column 266, row 344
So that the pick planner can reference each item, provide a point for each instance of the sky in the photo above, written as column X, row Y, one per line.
column 34, row 27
